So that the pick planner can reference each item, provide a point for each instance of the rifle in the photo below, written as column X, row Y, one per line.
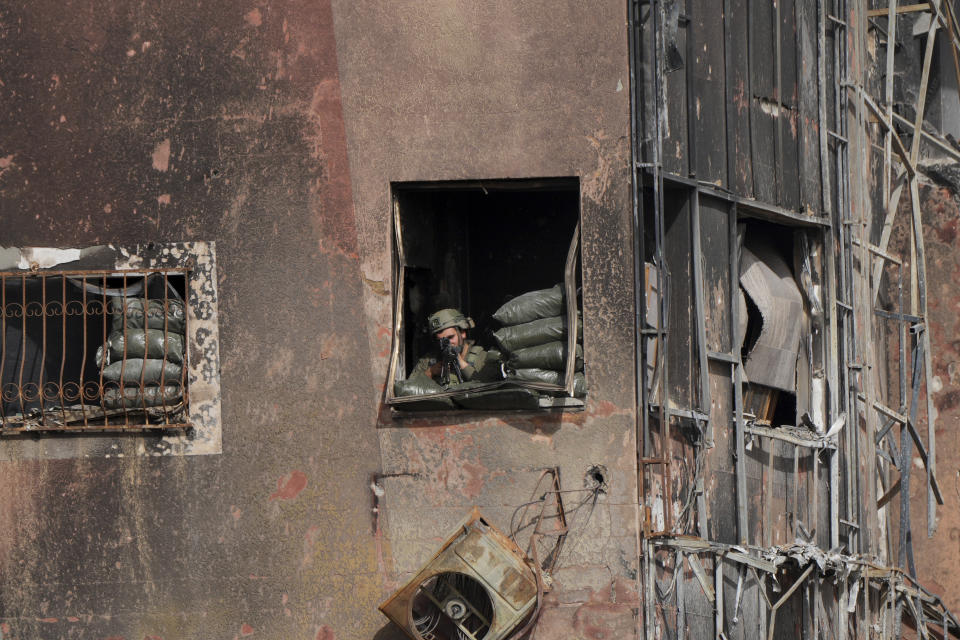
column 450, row 357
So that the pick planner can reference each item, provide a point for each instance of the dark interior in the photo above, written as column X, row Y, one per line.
column 474, row 247
column 781, row 239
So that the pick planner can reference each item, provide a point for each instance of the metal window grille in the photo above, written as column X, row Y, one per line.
column 93, row 350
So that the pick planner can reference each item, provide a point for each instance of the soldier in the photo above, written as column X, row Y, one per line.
column 451, row 324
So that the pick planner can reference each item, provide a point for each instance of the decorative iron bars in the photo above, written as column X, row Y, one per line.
column 93, row 350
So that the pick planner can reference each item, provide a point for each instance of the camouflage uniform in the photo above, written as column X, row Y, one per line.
column 476, row 358
column 477, row 367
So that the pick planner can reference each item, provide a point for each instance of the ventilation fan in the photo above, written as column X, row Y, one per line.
column 477, row 587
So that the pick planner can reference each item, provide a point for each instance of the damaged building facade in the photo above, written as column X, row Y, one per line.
column 224, row 228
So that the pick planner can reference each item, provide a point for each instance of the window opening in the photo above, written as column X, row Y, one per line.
column 772, row 321
column 93, row 350
column 498, row 261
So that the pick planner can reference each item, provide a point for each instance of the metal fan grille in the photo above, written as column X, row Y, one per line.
column 451, row 606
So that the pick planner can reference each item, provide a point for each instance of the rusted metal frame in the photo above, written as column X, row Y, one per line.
column 918, row 618
column 891, row 39
column 825, row 190
column 951, row 24
column 83, row 360
column 700, row 311
column 918, row 268
column 796, row 485
column 701, row 575
column 98, row 428
column 749, row 206
column 890, row 493
column 690, row 92
column 63, row 345
column 932, row 499
column 126, row 341
column 660, row 263
column 778, row 84
column 398, row 293
column 867, row 509
column 866, row 611
column 103, row 336
column 570, row 291
column 816, row 607
column 945, row 22
column 639, row 281
column 922, row 92
column 737, row 597
column 43, row 349
column 768, row 496
column 777, row 434
column 877, row 251
column 909, row 8
column 116, row 273
column 166, row 344
column 786, row 596
column 737, row 374
column 23, row 343
column 892, row 315
column 893, row 203
column 821, row 610
column 815, row 520
column 835, row 410
column 143, row 369
column 681, row 599
column 843, row 617
column 929, row 137
column 845, row 265
column 649, row 590
column 718, row 623
column 906, row 458
column 3, row 351
column 889, row 131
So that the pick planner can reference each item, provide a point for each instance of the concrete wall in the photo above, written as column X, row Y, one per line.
column 937, row 558
column 449, row 91
column 274, row 129
column 131, row 122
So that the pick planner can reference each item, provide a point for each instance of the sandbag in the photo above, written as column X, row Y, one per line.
column 551, row 355
column 550, row 377
column 532, row 305
column 535, row 332
column 416, row 386
column 133, row 312
column 499, row 399
column 134, row 397
column 421, row 386
column 150, row 368
column 170, row 349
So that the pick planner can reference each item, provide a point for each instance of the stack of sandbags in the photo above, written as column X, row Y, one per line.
column 142, row 359
column 533, row 339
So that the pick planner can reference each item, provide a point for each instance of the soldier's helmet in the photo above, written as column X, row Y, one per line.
column 445, row 318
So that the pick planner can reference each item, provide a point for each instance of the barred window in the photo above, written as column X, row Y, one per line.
column 94, row 350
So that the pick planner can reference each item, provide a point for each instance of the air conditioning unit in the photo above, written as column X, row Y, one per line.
column 479, row 586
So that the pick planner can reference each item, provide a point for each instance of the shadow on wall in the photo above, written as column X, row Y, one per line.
column 546, row 424
column 390, row 631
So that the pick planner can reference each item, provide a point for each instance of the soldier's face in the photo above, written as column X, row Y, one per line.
column 456, row 335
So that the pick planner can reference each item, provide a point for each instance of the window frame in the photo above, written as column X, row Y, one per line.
column 565, row 403
column 197, row 260
column 107, row 306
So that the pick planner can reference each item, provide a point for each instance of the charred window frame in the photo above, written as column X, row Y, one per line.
column 482, row 208
column 694, row 259
column 151, row 311
column 80, row 350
